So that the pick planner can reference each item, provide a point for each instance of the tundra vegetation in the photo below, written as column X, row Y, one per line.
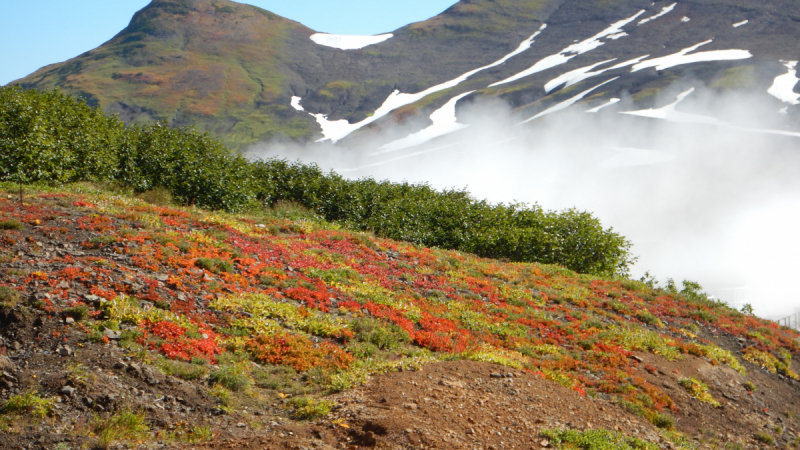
column 278, row 286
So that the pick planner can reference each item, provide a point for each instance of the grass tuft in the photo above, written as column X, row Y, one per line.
column 12, row 225
column 28, row 403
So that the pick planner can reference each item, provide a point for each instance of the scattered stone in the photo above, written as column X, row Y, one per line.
column 411, row 406
column 65, row 351
column 69, row 320
column 69, row 391
column 241, row 425
column 112, row 334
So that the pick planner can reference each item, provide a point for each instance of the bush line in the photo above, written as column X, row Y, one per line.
column 52, row 138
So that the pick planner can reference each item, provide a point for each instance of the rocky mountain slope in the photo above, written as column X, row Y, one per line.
column 249, row 75
column 128, row 323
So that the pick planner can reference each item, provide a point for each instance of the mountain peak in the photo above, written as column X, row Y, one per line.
column 234, row 69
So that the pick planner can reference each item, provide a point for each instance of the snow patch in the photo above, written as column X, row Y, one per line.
column 572, row 51
column 344, row 42
column 664, row 11
column 744, row 22
column 296, row 103
column 578, row 75
column 682, row 57
column 338, row 129
column 783, row 86
column 567, row 103
column 444, row 122
column 629, row 157
column 671, row 114
column 604, row 105
column 685, row 19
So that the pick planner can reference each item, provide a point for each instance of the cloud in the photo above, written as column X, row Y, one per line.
column 713, row 203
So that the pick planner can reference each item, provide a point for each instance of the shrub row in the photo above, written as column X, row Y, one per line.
column 49, row 137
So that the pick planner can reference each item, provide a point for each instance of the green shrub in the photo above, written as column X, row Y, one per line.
column 11, row 225
column 383, row 336
column 214, row 265
column 750, row 386
column 362, row 350
column 9, row 297
column 596, row 440
column 231, row 377
column 764, row 437
column 180, row 369
column 49, row 137
column 123, row 425
column 28, row 403
column 663, row 420
column 78, row 313
column 159, row 196
column 307, row 408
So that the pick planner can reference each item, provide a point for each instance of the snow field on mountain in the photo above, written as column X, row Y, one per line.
column 578, row 75
column 296, row 103
column 783, row 86
column 739, row 24
column 671, row 114
column 666, row 10
column 683, row 57
column 339, row 129
column 444, row 122
column 572, row 51
column 344, row 42
column 567, row 103
column 612, row 101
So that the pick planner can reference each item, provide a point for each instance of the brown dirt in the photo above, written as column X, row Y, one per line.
column 456, row 404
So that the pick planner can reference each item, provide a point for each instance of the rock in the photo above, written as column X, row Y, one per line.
column 16, row 345
column 69, row 391
column 69, row 320
column 240, row 425
column 497, row 375
column 112, row 334
column 636, row 358
column 63, row 285
column 411, row 406
column 6, row 363
column 162, row 277
column 545, row 443
column 65, row 351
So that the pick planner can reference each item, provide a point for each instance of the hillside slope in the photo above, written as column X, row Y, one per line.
column 128, row 322
column 234, row 69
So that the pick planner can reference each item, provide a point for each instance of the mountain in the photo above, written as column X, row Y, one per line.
column 248, row 75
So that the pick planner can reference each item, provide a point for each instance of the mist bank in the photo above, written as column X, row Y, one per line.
column 702, row 183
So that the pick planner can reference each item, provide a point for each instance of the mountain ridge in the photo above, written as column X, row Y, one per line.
column 233, row 69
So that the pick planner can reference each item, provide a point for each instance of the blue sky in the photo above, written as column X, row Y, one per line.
column 35, row 33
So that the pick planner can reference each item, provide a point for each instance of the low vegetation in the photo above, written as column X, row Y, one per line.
column 47, row 137
column 29, row 402
column 308, row 308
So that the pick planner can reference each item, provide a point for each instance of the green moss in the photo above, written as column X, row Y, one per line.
column 736, row 78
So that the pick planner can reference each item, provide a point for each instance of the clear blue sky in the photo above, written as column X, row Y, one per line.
column 35, row 33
